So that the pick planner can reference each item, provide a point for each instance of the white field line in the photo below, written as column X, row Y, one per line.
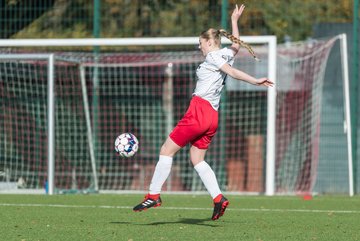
column 183, row 208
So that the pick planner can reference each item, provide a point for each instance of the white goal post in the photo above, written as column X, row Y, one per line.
column 50, row 101
column 347, row 118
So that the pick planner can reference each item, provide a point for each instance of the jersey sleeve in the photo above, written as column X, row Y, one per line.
column 219, row 58
column 216, row 60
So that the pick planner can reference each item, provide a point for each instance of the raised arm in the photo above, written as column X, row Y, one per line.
column 234, row 25
column 240, row 75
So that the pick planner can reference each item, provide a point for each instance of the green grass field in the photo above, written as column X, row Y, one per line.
column 181, row 217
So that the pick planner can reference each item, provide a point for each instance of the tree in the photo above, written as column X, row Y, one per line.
column 137, row 18
column 16, row 15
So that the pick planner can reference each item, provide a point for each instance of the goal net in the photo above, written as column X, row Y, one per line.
column 98, row 96
column 301, row 71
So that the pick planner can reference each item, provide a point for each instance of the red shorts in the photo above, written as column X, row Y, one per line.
column 198, row 126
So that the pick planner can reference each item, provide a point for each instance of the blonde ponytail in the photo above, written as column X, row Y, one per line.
column 233, row 39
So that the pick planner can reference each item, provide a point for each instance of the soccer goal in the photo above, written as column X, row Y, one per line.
column 62, row 110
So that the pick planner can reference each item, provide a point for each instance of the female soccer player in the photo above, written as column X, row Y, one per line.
column 200, row 122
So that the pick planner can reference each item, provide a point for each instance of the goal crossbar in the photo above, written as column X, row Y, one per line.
column 121, row 41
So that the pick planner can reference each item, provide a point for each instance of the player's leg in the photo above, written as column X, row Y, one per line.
column 188, row 129
column 208, row 177
column 161, row 173
column 163, row 167
column 205, row 172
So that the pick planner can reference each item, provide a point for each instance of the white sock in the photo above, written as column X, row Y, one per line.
column 161, row 173
column 208, row 177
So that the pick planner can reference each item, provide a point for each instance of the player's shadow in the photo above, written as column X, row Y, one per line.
column 120, row 222
column 194, row 221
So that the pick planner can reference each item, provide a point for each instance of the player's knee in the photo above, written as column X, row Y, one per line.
column 166, row 152
column 197, row 155
column 169, row 148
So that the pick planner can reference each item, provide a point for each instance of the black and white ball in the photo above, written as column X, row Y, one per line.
column 126, row 145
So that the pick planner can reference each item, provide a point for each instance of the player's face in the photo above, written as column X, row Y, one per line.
column 204, row 46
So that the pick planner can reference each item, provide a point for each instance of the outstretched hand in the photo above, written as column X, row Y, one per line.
column 264, row 82
column 237, row 12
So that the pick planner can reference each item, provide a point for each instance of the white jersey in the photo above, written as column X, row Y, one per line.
column 210, row 80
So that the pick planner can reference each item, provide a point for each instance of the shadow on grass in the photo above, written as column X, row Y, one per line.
column 194, row 221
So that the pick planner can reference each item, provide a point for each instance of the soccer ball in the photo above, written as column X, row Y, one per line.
column 126, row 145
